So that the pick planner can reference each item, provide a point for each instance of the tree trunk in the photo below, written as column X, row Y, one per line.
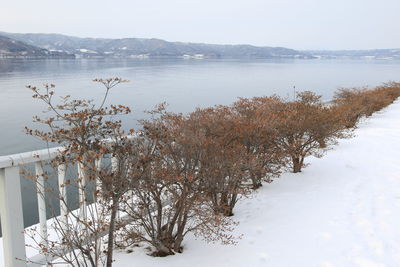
column 221, row 206
column 110, row 245
column 179, row 235
column 178, row 243
column 162, row 250
column 255, row 182
column 296, row 164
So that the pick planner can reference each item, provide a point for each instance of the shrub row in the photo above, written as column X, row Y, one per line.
column 355, row 103
column 185, row 172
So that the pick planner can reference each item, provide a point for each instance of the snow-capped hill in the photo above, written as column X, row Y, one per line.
column 128, row 47
column 11, row 48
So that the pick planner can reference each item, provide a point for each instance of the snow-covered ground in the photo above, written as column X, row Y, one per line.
column 342, row 210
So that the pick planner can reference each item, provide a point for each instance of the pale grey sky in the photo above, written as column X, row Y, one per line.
column 299, row 24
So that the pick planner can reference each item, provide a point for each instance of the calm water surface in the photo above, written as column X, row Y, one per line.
column 184, row 84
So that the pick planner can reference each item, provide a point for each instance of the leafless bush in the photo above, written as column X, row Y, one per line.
column 306, row 126
column 168, row 199
column 355, row 103
column 85, row 132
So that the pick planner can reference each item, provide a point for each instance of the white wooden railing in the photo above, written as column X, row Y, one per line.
column 11, row 212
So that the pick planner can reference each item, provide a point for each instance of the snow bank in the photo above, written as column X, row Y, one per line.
column 343, row 210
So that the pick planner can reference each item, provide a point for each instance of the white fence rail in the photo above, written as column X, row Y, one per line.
column 11, row 212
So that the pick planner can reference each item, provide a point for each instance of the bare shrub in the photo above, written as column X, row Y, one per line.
column 355, row 103
column 255, row 129
column 307, row 127
column 168, row 199
column 85, row 132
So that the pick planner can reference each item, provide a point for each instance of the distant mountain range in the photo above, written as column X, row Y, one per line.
column 382, row 54
column 142, row 48
column 39, row 45
column 13, row 48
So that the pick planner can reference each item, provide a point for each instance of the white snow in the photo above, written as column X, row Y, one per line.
column 342, row 210
column 84, row 50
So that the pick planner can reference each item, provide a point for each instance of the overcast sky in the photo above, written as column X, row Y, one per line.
column 298, row 24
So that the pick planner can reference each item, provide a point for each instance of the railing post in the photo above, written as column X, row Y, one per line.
column 82, row 192
column 12, row 220
column 115, row 169
column 63, row 195
column 41, row 197
column 97, row 178
column 114, row 164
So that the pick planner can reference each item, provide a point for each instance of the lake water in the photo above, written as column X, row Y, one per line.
column 184, row 84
